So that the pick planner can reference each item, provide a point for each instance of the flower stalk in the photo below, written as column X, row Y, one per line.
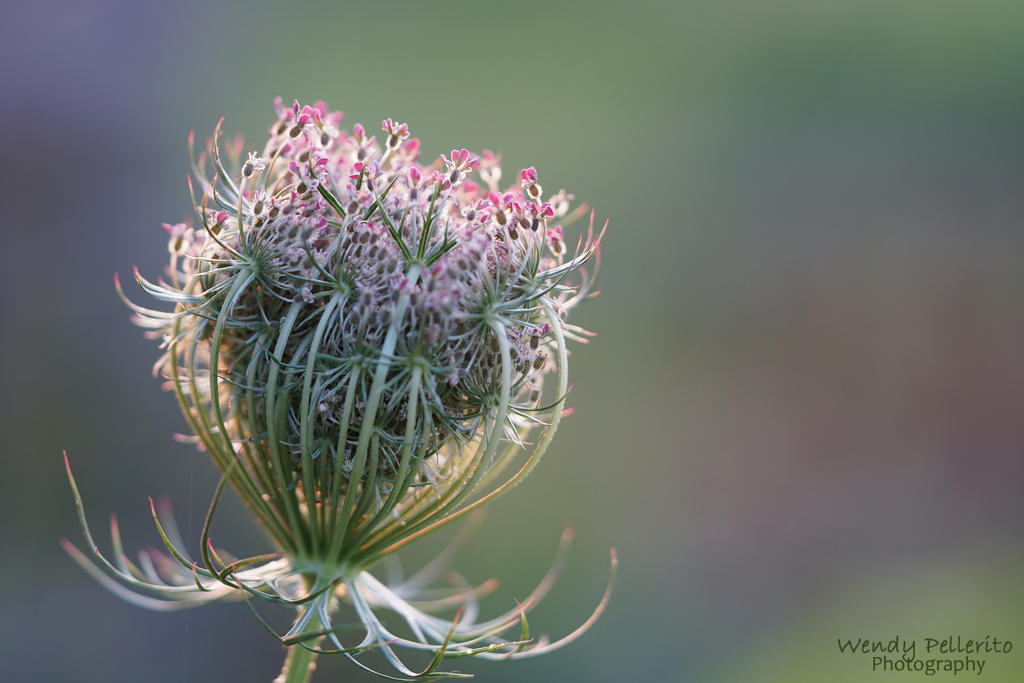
column 300, row 662
column 299, row 665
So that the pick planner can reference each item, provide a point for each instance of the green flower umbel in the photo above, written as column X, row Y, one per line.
column 368, row 349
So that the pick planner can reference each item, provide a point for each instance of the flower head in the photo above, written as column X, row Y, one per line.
column 362, row 348
column 397, row 132
column 529, row 182
column 458, row 166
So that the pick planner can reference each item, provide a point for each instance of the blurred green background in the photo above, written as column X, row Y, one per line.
column 802, row 419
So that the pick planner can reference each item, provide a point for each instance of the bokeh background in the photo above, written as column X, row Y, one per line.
column 802, row 419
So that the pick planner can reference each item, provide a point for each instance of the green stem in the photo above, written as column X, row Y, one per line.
column 299, row 666
column 300, row 663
